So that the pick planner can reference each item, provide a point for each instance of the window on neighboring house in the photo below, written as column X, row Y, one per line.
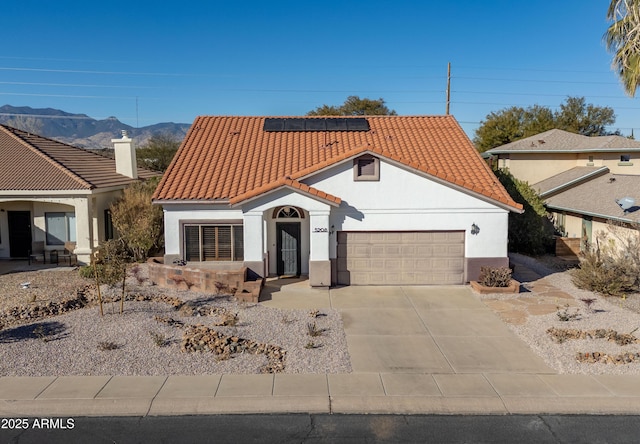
column 213, row 242
column 60, row 228
column 108, row 225
column 625, row 158
column 366, row 168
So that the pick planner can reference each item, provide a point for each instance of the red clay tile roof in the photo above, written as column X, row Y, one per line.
column 232, row 158
column 29, row 162
column 286, row 182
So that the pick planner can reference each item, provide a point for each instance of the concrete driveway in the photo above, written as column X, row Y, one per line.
column 431, row 329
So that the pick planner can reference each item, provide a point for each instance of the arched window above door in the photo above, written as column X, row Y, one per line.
column 288, row 212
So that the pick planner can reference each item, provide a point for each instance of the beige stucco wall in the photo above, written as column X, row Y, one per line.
column 612, row 161
column 533, row 168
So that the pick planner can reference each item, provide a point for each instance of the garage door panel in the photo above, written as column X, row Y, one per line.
column 400, row 258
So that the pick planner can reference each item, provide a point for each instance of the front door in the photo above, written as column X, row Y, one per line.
column 288, row 246
column 19, row 233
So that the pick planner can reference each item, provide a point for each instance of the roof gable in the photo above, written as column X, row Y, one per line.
column 227, row 157
column 32, row 162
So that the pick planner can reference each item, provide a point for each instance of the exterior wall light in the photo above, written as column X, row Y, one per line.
column 475, row 229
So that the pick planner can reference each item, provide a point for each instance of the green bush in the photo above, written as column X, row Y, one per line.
column 494, row 277
column 532, row 231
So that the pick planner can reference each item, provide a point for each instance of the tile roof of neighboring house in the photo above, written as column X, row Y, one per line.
column 232, row 158
column 597, row 197
column 557, row 140
column 566, row 179
column 30, row 163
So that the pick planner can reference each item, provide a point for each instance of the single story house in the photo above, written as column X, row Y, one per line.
column 583, row 202
column 345, row 200
column 52, row 193
column 586, row 182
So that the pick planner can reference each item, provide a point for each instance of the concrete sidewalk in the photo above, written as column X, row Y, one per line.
column 392, row 393
column 414, row 350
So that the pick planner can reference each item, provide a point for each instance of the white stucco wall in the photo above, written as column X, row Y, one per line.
column 175, row 213
column 400, row 201
column 405, row 201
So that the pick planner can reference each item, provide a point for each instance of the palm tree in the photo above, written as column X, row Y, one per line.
column 623, row 40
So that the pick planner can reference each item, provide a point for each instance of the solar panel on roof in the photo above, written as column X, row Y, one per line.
column 359, row 124
column 273, row 124
column 294, row 125
column 337, row 124
column 280, row 124
column 316, row 124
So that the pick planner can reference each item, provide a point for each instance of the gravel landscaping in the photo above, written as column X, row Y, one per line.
column 604, row 313
column 175, row 332
column 148, row 337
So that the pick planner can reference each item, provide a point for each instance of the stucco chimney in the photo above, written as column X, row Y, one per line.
column 125, row 156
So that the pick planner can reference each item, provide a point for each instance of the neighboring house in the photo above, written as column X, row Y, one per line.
column 354, row 200
column 580, row 178
column 52, row 193
column 536, row 158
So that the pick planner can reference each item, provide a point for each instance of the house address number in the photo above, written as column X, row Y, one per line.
column 320, row 230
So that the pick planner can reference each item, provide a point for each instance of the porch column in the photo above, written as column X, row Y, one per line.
column 319, row 263
column 84, row 229
column 254, row 242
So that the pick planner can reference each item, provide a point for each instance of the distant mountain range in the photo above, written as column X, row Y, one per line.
column 81, row 130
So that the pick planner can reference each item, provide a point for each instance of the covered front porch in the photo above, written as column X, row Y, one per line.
column 50, row 224
column 288, row 233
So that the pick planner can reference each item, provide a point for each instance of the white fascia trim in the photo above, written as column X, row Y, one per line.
column 34, row 194
column 589, row 213
column 574, row 181
column 189, row 202
column 290, row 188
column 565, row 151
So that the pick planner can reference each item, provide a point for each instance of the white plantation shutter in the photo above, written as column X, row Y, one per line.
column 213, row 242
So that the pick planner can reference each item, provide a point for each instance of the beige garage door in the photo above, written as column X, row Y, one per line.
column 400, row 258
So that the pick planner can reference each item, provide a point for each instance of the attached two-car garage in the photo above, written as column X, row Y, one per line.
column 400, row 258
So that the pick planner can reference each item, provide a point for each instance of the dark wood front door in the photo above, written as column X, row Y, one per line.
column 288, row 245
column 19, row 233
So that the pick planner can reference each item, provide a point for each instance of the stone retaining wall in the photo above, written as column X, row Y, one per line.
column 206, row 280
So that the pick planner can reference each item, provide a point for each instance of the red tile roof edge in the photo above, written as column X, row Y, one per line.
column 285, row 182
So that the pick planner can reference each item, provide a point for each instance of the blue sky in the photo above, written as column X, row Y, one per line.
column 150, row 62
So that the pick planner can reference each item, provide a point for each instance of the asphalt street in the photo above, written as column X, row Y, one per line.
column 304, row 428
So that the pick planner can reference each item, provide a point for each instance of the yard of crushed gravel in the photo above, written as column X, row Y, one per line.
column 77, row 342
column 606, row 313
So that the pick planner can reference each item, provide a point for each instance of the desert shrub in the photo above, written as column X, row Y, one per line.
column 532, row 231
column 111, row 262
column 611, row 264
column 494, row 277
column 137, row 221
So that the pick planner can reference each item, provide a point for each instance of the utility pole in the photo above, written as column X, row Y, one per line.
column 448, row 87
